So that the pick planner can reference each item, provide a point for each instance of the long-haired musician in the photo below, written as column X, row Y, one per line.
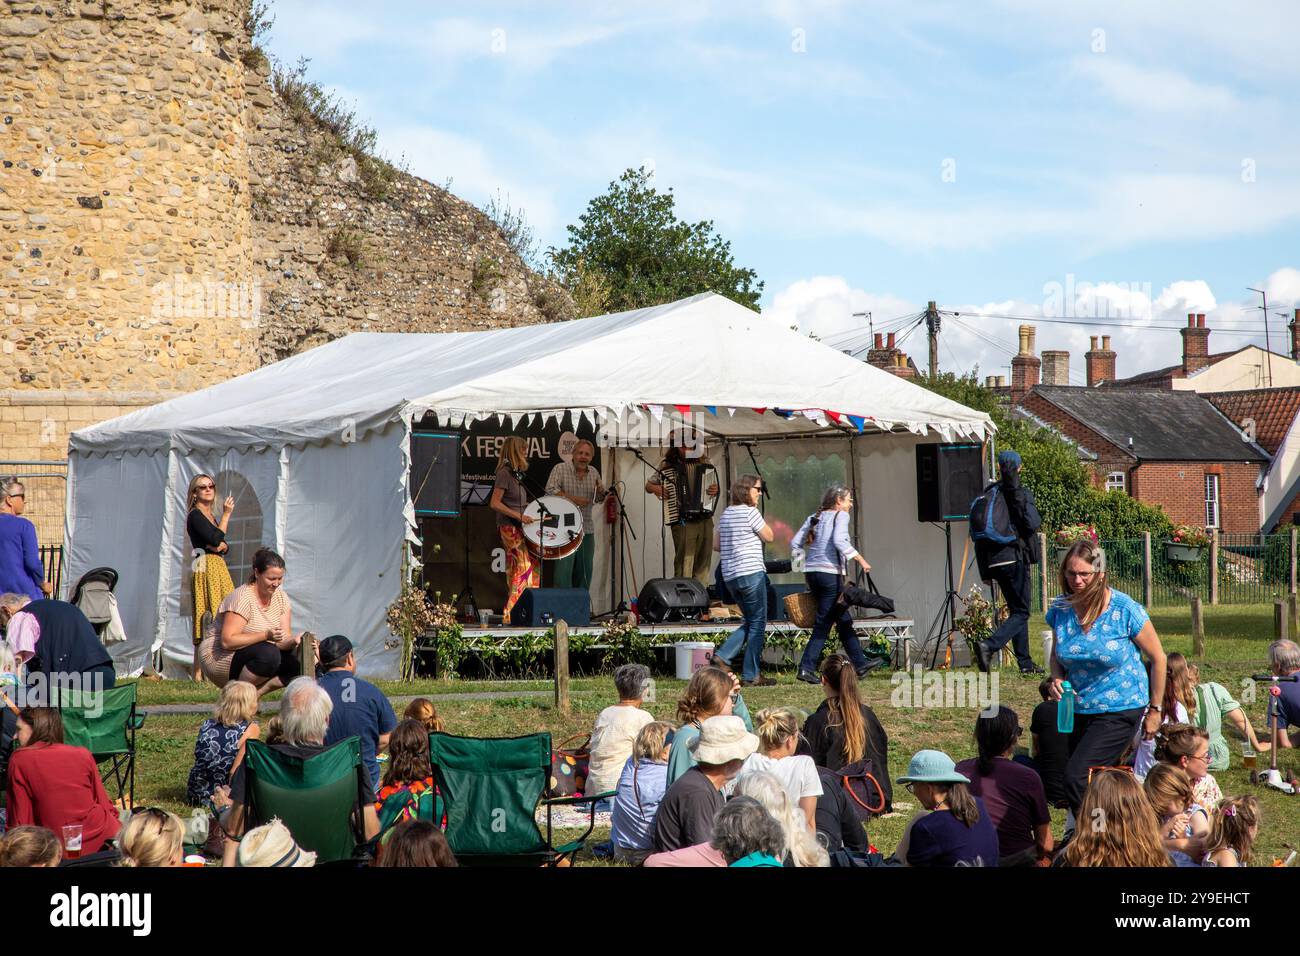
column 509, row 500
column 692, row 536
column 578, row 482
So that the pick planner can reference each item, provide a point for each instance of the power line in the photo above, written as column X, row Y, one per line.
column 1114, row 324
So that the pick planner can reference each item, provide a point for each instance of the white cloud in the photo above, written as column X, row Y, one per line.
column 1153, row 89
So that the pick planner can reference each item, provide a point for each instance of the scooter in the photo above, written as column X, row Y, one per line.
column 1272, row 777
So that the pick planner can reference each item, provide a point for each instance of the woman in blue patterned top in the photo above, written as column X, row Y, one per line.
column 220, row 745
column 1100, row 635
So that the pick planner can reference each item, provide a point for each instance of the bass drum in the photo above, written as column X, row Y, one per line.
column 557, row 532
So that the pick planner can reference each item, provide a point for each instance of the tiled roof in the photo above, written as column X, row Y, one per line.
column 1157, row 376
column 1163, row 425
column 1272, row 410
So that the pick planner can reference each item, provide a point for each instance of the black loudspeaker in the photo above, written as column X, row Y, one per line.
column 542, row 607
column 435, row 474
column 672, row 599
column 948, row 480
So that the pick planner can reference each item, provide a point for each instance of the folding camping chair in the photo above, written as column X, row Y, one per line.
column 491, row 788
column 93, row 596
column 104, row 722
column 314, row 797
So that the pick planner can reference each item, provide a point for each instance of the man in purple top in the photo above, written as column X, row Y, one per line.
column 21, row 571
column 1284, row 660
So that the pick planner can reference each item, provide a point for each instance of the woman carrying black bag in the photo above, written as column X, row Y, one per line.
column 844, row 734
column 824, row 542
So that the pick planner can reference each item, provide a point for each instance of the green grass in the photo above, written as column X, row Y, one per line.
column 1236, row 645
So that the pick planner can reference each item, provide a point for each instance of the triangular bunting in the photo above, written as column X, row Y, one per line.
column 858, row 422
column 657, row 411
column 760, row 411
column 834, row 416
column 711, row 409
column 684, row 409
column 731, row 412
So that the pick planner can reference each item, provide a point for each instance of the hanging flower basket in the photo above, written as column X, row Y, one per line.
column 1186, row 544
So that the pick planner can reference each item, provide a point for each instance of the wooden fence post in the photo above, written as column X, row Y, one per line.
column 1292, row 550
column 1146, row 569
column 1043, row 566
column 1214, row 566
column 562, row 666
column 307, row 655
column 1198, row 627
column 1279, row 621
column 1293, row 623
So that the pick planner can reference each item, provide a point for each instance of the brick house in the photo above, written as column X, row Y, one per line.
column 1269, row 415
column 1169, row 448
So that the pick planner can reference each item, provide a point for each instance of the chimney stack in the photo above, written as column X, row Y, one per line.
column 1025, row 366
column 891, row 340
column 899, row 365
column 879, row 340
column 1295, row 336
column 1056, row 367
column 1196, row 343
column 1100, row 362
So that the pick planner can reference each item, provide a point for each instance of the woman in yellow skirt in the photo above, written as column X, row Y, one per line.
column 508, row 501
column 211, row 583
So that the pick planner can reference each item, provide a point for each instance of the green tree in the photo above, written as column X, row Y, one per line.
column 1051, row 469
column 632, row 242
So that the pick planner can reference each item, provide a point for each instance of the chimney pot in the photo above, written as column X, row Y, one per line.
column 1024, row 340
column 891, row 340
column 1002, row 381
column 1200, row 320
column 879, row 340
column 1094, row 343
column 1191, row 320
column 1105, row 343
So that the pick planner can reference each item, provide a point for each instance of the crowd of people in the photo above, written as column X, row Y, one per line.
column 717, row 786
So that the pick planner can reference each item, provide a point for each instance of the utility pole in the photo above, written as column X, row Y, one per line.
column 932, row 329
column 1268, row 345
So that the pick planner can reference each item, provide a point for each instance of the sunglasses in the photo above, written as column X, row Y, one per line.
column 1097, row 770
column 204, row 487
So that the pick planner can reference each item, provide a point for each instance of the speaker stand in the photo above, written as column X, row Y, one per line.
column 945, row 621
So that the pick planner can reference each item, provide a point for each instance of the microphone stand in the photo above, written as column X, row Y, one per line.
column 623, row 527
column 663, row 548
column 749, row 448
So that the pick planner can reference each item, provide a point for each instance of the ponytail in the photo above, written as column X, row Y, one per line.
column 833, row 496
column 846, row 706
column 962, row 805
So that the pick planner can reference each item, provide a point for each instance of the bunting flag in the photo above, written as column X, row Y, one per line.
column 657, row 411
column 760, row 411
column 501, row 419
column 684, row 409
column 711, row 409
column 813, row 414
column 582, row 418
column 858, row 422
column 783, row 412
column 834, row 416
column 731, row 412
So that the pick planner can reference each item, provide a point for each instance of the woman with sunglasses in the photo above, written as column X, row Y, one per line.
column 211, row 578
column 21, row 570
column 1099, row 637
column 739, row 538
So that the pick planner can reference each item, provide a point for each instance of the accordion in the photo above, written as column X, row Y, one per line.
column 687, row 486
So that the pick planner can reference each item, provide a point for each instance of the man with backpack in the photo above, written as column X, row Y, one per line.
column 1004, row 525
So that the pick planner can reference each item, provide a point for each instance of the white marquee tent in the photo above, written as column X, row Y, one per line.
column 316, row 448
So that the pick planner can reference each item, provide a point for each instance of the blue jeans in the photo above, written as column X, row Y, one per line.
column 1013, row 582
column 750, row 592
column 825, row 589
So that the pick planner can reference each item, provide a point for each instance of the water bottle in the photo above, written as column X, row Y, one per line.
column 1065, row 709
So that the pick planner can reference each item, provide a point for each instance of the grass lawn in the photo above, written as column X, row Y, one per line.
column 1236, row 645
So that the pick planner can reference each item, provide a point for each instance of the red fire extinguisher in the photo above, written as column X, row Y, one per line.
column 611, row 507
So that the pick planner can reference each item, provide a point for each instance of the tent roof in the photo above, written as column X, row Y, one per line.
column 705, row 350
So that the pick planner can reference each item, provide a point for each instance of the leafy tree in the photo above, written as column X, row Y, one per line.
column 1051, row 469
column 631, row 238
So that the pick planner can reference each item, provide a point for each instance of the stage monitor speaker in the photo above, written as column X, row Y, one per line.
column 949, row 477
column 542, row 607
column 664, row 600
column 435, row 474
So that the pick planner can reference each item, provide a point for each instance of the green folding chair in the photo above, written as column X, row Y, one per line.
column 313, row 796
column 491, row 788
column 104, row 722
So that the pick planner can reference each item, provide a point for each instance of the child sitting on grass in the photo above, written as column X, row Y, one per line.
column 1232, row 835
column 1188, row 747
column 640, row 789
column 1184, row 824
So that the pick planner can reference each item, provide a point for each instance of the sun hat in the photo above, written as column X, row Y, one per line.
column 272, row 845
column 932, row 766
column 722, row 739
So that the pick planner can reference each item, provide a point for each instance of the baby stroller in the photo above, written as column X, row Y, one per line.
column 93, row 595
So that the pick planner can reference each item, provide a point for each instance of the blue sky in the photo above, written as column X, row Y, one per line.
column 873, row 156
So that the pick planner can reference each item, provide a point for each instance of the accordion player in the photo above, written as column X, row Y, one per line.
column 688, row 488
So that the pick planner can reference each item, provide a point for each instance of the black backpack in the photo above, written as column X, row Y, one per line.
column 990, row 519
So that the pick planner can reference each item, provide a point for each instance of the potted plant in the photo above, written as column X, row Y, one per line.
column 980, row 619
column 1186, row 543
column 1068, row 535
column 409, row 617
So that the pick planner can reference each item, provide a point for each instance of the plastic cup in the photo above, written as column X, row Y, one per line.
column 72, row 841
column 484, row 617
column 195, row 859
column 1247, row 755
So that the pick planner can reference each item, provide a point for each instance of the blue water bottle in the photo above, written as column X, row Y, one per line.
column 1065, row 709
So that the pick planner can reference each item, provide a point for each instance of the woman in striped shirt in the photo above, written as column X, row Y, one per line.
column 826, row 547
column 739, row 539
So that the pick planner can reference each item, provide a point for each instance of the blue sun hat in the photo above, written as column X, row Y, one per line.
column 932, row 766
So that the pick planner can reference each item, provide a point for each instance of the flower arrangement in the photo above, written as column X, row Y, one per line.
column 410, row 616
column 981, row 617
column 1071, row 533
column 1189, row 536
column 626, row 644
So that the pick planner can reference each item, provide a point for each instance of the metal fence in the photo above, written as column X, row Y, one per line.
column 1232, row 569
column 46, row 485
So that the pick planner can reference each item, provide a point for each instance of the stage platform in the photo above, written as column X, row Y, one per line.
column 898, row 631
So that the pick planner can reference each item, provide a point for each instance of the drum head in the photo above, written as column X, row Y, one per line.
column 557, row 532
